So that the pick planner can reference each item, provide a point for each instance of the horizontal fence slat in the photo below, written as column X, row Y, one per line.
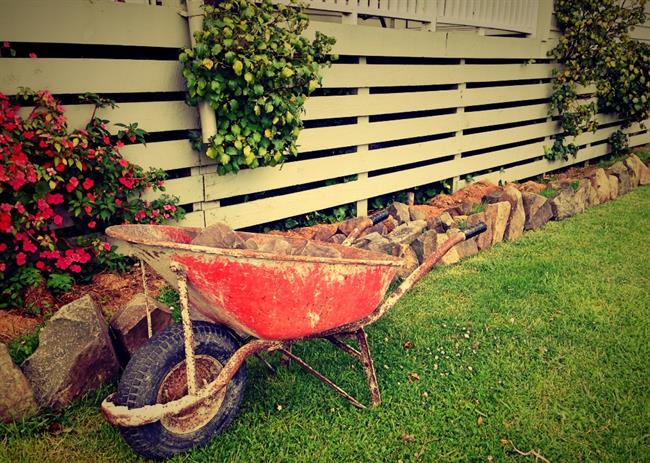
column 491, row 95
column 194, row 219
column 367, row 41
column 362, row 134
column 323, row 107
column 477, row 119
column 166, row 155
column 152, row 116
column 92, row 22
column 64, row 75
column 399, row 75
column 484, row 140
column 188, row 189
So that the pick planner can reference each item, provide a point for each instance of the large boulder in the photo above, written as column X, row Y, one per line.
column 16, row 397
column 634, row 170
column 590, row 193
column 484, row 240
column 74, row 355
column 600, row 182
column 129, row 324
column 619, row 170
column 496, row 217
column 538, row 210
column 219, row 235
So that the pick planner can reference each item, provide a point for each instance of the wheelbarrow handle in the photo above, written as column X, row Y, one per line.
column 475, row 230
column 379, row 216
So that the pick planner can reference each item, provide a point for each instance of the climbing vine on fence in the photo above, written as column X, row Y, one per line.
column 596, row 49
column 254, row 67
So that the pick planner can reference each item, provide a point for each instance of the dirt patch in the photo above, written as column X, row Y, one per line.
column 472, row 194
column 110, row 290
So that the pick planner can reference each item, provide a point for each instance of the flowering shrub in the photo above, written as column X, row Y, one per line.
column 53, row 177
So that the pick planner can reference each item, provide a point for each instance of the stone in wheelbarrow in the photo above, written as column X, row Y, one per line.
column 219, row 235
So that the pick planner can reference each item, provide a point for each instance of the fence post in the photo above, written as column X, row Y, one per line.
column 432, row 14
column 455, row 183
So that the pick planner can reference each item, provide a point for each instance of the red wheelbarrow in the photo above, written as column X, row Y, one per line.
column 187, row 382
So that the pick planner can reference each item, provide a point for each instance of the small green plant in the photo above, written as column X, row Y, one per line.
column 59, row 283
column 169, row 296
column 254, row 67
column 575, row 185
column 643, row 154
column 549, row 193
column 478, row 208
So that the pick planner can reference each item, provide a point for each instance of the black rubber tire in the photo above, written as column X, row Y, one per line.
column 149, row 366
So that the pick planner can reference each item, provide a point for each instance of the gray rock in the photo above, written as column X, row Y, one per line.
column 275, row 246
column 400, row 212
column 484, row 240
column 129, row 324
column 619, row 170
column 428, row 242
column 497, row 215
column 564, row 204
column 74, row 356
column 219, row 235
column 538, row 210
column 376, row 242
column 16, row 397
column 318, row 250
column 407, row 232
column 600, row 183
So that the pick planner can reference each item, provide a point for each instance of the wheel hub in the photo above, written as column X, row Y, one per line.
column 174, row 386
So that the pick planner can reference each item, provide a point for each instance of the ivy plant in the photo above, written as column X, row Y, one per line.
column 254, row 67
column 596, row 48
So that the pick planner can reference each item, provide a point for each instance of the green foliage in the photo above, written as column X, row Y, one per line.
column 620, row 143
column 254, row 67
column 477, row 208
column 575, row 185
column 596, row 48
column 23, row 346
column 169, row 296
column 643, row 154
column 12, row 288
column 59, row 283
column 549, row 193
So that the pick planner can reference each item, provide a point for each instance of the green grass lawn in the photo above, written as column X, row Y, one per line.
column 543, row 343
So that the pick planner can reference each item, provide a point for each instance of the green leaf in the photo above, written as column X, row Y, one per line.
column 238, row 67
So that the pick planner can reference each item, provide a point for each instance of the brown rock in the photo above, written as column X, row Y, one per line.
column 634, row 170
column 537, row 209
column 613, row 186
column 591, row 195
column 16, row 397
column 564, row 204
column 515, row 227
column 496, row 216
column 484, row 240
column 600, row 183
column 129, row 324
column 313, row 249
column 74, row 356
column 325, row 232
column 411, row 262
column 532, row 187
column 400, row 212
column 350, row 224
column 337, row 239
column 379, row 228
column 641, row 170
column 275, row 246
column 407, row 232
column 378, row 243
column 219, row 235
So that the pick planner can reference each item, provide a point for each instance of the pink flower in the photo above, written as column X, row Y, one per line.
column 92, row 224
column 3, row 247
column 33, row 55
column 72, row 184
column 107, row 246
column 2, row 266
column 75, row 268
column 88, row 184
column 21, row 258
column 88, row 209
column 40, row 265
column 124, row 163
column 54, row 198
column 5, row 45
column 118, row 201
column 58, row 220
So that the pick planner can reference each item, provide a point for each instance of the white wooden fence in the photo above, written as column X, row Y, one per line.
column 418, row 107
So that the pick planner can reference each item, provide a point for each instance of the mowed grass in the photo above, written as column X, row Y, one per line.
column 543, row 344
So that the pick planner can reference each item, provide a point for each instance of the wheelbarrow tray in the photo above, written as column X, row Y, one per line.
column 268, row 296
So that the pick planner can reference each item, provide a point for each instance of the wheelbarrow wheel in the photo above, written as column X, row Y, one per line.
column 157, row 374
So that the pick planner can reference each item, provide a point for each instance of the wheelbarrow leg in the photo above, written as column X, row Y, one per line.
column 368, row 367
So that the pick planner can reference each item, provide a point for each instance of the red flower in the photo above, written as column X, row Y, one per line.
column 21, row 258
column 106, row 140
column 124, row 163
column 5, row 223
column 107, row 246
column 28, row 246
column 88, row 184
column 5, row 44
column 90, row 196
column 3, row 247
column 118, row 201
column 72, row 184
column 2, row 266
column 127, row 182
column 75, row 268
column 58, row 220
column 88, row 209
column 60, row 167
column 40, row 265
column 33, row 55
column 92, row 224
column 54, row 198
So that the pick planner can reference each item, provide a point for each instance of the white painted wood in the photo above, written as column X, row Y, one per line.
column 92, row 22
column 188, row 189
column 166, row 155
